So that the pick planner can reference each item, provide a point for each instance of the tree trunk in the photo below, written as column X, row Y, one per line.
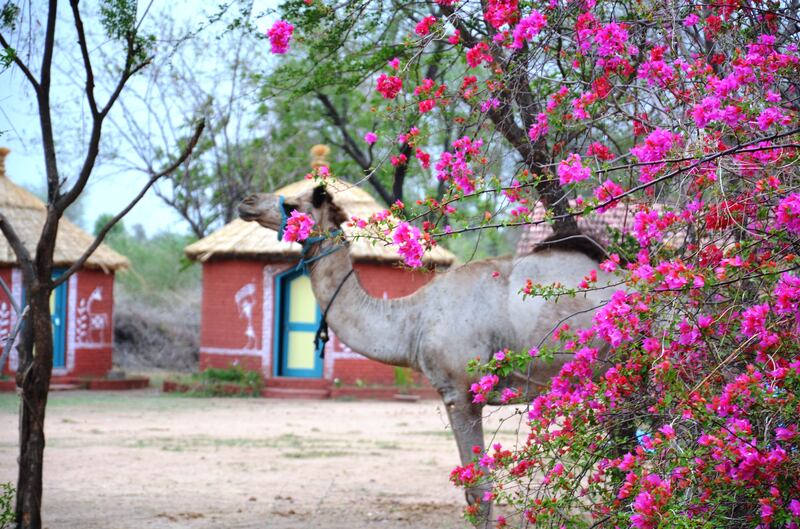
column 34, row 376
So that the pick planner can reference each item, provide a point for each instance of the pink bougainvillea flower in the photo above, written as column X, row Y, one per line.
column 527, row 28
column 499, row 13
column 389, row 86
column 298, row 227
column 424, row 26
column 478, row 54
column 539, row 128
column 572, row 170
column 654, row 149
column 423, row 157
column 611, row 39
column 279, row 36
column 455, row 38
column 407, row 239
column 370, row 137
column 771, row 116
column 600, row 151
column 607, row 191
column 788, row 213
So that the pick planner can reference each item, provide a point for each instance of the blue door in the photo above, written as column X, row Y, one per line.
column 298, row 320
column 58, row 316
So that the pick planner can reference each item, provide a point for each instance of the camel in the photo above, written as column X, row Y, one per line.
column 467, row 312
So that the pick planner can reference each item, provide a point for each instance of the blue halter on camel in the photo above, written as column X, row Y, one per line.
column 321, row 337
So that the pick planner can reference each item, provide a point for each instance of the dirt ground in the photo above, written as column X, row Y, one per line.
column 141, row 459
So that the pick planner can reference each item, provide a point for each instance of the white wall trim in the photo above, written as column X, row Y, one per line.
column 229, row 352
column 16, row 293
column 72, row 302
column 267, row 318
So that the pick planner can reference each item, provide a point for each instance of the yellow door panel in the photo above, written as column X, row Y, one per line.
column 302, row 305
column 301, row 350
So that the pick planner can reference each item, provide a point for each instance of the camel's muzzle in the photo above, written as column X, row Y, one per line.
column 249, row 208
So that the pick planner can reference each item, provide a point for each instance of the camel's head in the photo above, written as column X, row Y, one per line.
column 270, row 210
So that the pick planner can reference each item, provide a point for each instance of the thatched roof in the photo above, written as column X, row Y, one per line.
column 251, row 240
column 26, row 214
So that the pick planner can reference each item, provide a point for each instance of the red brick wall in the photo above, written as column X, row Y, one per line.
column 93, row 346
column 392, row 280
column 222, row 326
column 218, row 361
column 377, row 280
column 352, row 371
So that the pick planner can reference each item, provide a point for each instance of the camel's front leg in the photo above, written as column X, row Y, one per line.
column 466, row 420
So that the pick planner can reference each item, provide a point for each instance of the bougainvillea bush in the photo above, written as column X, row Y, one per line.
column 679, row 407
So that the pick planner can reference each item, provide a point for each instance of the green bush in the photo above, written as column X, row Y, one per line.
column 6, row 505
column 159, row 269
column 214, row 382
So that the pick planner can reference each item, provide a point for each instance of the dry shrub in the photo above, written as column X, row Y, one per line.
column 157, row 336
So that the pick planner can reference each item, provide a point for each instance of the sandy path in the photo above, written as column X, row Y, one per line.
column 145, row 460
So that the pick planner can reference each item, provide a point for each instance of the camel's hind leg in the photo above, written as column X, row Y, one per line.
column 466, row 420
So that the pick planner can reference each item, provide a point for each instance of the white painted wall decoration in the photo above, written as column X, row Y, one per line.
column 267, row 321
column 91, row 325
column 16, row 293
column 245, row 299
column 5, row 322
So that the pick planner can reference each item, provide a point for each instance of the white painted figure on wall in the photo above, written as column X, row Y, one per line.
column 91, row 325
column 245, row 301
column 5, row 323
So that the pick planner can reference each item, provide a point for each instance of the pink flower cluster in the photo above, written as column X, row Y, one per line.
column 527, row 29
column 479, row 54
column 710, row 109
column 279, row 36
column 424, row 26
column 605, row 192
column 539, row 128
column 600, row 151
column 572, row 170
column 654, row 149
column 407, row 239
column 483, row 387
column 788, row 213
column 298, row 227
column 389, row 86
column 501, row 12
column 455, row 166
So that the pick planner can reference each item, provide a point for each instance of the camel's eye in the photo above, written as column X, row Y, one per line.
column 288, row 208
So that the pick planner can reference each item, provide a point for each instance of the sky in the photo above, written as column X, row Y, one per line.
column 109, row 189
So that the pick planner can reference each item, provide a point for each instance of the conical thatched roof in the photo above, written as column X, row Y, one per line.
column 250, row 239
column 26, row 214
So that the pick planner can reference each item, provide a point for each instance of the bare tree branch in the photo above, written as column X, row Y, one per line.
column 22, row 253
column 21, row 65
column 187, row 151
column 87, row 63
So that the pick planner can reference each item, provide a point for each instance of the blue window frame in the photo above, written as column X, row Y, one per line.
column 58, row 317
column 297, row 321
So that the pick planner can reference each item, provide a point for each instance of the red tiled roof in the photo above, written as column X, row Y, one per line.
column 594, row 225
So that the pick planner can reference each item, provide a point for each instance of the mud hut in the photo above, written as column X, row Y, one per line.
column 82, row 307
column 253, row 292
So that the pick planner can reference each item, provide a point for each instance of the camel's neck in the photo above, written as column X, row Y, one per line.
column 372, row 326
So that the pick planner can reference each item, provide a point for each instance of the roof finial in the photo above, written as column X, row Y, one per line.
column 3, row 153
column 319, row 154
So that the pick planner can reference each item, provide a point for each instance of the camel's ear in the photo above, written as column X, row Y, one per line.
column 320, row 197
